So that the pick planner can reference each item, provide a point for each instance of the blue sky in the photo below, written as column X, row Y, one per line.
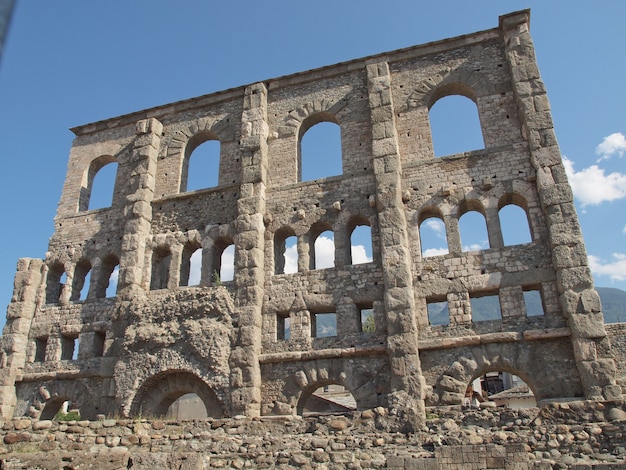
column 71, row 62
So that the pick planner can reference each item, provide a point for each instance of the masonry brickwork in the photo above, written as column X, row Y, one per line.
column 159, row 338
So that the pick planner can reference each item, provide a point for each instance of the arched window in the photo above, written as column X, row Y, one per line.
column 473, row 231
column 191, row 265
column 319, row 148
column 98, row 184
column 54, row 283
column 106, row 283
column 433, row 240
column 323, row 252
column 285, row 251
column 455, row 125
column 361, row 243
column 514, row 225
column 161, row 259
column 201, row 164
column 223, row 269
column 82, row 278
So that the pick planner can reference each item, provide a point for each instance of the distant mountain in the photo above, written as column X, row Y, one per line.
column 613, row 304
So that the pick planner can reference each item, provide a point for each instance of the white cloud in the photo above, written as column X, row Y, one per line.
column 437, row 226
column 359, row 254
column 591, row 186
column 434, row 252
column 324, row 252
column 291, row 259
column 476, row 246
column 624, row 230
column 614, row 144
column 614, row 269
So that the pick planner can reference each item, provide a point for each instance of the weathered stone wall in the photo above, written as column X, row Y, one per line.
column 160, row 338
column 576, row 435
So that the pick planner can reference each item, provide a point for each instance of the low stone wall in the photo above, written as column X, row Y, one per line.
column 577, row 435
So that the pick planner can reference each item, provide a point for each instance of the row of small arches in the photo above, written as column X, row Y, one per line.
column 321, row 142
column 473, row 228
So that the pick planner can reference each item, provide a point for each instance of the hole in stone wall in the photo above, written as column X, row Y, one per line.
column 103, row 186
column 366, row 319
column 323, row 325
column 325, row 250
column 361, row 244
column 203, row 169
column 328, row 399
column 188, row 406
column 433, row 238
column 283, row 326
column 514, row 225
column 473, row 231
column 533, row 303
column 320, row 151
column 438, row 313
column 40, row 348
column 455, row 126
column 499, row 389
column 485, row 307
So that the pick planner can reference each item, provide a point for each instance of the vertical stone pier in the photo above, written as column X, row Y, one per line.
column 579, row 301
column 249, row 256
column 407, row 388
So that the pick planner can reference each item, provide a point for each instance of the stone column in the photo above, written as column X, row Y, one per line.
column 14, row 339
column 249, row 254
column 579, row 301
column 138, row 206
column 407, row 383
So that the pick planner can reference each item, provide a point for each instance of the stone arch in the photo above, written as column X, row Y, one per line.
column 183, row 142
column 315, row 231
column 81, row 272
column 462, row 82
column 537, row 365
column 87, row 179
column 431, row 212
column 356, row 377
column 158, row 392
column 313, row 113
column 106, row 265
column 354, row 222
column 280, row 238
column 54, row 287
column 513, row 199
column 50, row 396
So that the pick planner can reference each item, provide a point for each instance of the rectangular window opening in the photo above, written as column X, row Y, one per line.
column 69, row 348
column 533, row 303
column 323, row 325
column 283, row 326
column 98, row 343
column 485, row 307
column 438, row 312
column 40, row 349
column 366, row 319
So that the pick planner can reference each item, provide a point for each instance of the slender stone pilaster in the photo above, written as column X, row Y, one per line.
column 407, row 383
column 138, row 209
column 249, row 253
column 14, row 341
column 579, row 301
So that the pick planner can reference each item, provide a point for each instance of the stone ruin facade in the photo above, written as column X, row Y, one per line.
column 225, row 341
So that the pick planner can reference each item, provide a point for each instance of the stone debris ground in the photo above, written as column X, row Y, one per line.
column 575, row 435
